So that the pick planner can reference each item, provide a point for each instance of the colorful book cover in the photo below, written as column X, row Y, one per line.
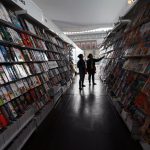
column 26, row 84
column 21, row 87
column 6, row 93
column 5, row 113
column 10, row 92
column 5, row 34
column 7, row 73
column 15, row 89
column 19, row 55
column 2, row 98
column 27, row 55
column 14, row 19
column 30, row 26
column 3, row 75
column 5, row 53
column 3, row 121
column 27, row 69
column 11, row 72
column 11, row 110
column 2, row 59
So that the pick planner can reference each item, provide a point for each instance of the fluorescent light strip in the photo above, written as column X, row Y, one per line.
column 88, row 31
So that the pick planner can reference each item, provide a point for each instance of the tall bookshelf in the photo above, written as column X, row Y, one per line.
column 34, row 73
column 126, row 70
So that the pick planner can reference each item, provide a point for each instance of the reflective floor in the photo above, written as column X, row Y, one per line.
column 83, row 120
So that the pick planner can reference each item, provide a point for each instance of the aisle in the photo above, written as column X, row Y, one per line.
column 83, row 121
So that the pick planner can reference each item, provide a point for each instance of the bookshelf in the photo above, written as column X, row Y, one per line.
column 34, row 73
column 126, row 70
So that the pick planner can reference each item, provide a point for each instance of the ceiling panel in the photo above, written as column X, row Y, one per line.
column 78, row 14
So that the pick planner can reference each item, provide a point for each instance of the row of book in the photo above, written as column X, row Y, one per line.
column 11, row 110
column 138, row 65
column 132, row 88
column 13, row 90
column 22, row 23
column 141, row 49
column 14, row 72
column 22, row 39
column 53, row 47
column 31, row 64
column 128, row 78
column 12, row 54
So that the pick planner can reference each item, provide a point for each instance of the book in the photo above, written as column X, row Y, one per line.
column 19, row 55
column 15, row 89
column 30, row 27
column 3, row 121
column 14, row 19
column 6, row 36
column 11, row 72
column 4, row 14
column 2, row 98
column 21, row 86
column 6, row 57
column 3, row 75
column 5, row 93
column 19, row 111
column 26, row 84
column 27, row 55
column 15, row 36
column 11, row 111
column 7, row 73
column 20, row 71
column 10, row 92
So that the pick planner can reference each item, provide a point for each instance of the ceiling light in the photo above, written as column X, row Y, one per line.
column 131, row 1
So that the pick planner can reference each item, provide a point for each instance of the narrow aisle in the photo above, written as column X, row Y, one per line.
column 83, row 120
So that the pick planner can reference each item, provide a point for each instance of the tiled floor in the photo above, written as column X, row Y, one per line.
column 83, row 120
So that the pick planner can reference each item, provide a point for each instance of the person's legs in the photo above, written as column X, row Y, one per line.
column 93, row 79
column 80, row 81
column 83, row 80
column 89, row 78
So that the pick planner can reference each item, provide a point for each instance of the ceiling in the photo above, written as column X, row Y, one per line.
column 79, row 15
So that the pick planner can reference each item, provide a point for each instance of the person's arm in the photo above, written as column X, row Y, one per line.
column 96, row 60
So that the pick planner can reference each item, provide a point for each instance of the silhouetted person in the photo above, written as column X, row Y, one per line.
column 82, row 71
column 91, row 69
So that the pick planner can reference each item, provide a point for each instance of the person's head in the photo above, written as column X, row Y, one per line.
column 90, row 56
column 80, row 56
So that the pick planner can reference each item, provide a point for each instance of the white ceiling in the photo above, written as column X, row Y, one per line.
column 77, row 15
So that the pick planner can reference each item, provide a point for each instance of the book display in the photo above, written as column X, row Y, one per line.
column 32, row 62
column 126, row 70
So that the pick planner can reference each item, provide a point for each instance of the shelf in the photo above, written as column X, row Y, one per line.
column 6, row 43
column 11, row 25
column 107, row 52
column 16, row 127
column 7, row 63
column 136, row 72
column 137, row 56
column 110, row 58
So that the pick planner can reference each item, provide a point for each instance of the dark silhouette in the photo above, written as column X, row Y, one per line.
column 82, row 71
column 91, row 69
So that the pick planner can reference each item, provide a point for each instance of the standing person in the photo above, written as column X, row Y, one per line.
column 91, row 69
column 82, row 71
